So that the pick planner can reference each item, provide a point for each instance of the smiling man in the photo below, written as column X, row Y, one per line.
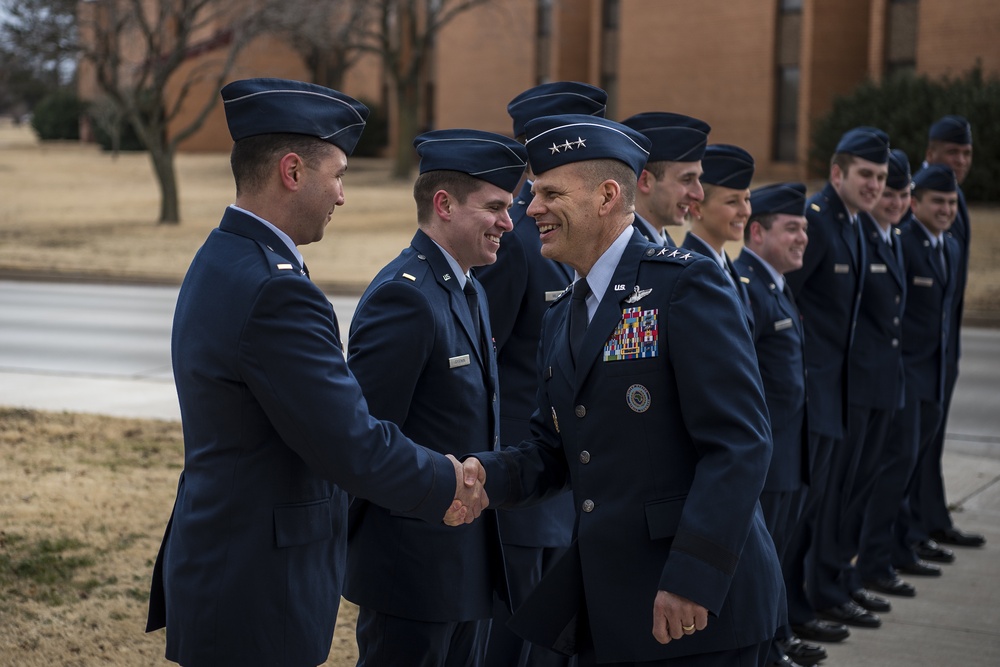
column 827, row 290
column 422, row 350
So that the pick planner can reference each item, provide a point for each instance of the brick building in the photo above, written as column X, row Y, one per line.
column 759, row 71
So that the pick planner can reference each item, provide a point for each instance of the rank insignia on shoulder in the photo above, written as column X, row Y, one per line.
column 285, row 266
column 635, row 337
column 638, row 294
column 744, row 280
column 409, row 277
column 815, row 207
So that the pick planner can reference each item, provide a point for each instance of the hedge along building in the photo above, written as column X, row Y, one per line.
column 759, row 71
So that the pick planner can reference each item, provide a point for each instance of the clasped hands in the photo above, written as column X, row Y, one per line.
column 470, row 496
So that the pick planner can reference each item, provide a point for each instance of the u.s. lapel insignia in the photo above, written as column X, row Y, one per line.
column 555, row 420
column 638, row 294
column 446, row 277
column 635, row 337
column 638, row 398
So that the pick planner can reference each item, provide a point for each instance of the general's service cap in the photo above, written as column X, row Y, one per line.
column 278, row 106
column 491, row 157
column 553, row 141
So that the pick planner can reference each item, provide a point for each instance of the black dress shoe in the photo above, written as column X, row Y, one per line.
column 783, row 661
column 932, row 551
column 892, row 586
column 870, row 601
column 959, row 538
column 802, row 652
column 822, row 631
column 919, row 569
column 851, row 613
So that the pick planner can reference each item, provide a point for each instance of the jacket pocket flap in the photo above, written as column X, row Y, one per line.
column 663, row 517
column 303, row 523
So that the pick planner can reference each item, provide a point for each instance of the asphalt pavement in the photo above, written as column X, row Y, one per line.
column 105, row 350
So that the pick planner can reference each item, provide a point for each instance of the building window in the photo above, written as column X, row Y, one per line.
column 786, row 55
column 543, row 42
column 901, row 36
column 610, row 14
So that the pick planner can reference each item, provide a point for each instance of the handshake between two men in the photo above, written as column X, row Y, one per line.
column 470, row 496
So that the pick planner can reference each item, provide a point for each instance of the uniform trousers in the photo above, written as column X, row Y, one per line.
column 506, row 649
column 928, row 505
column 390, row 641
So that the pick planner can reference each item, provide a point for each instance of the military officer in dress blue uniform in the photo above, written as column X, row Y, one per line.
column 723, row 213
column 775, row 239
column 276, row 431
column 520, row 286
column 422, row 351
column 828, row 291
column 931, row 258
column 875, row 391
column 949, row 143
column 672, row 563
column 669, row 183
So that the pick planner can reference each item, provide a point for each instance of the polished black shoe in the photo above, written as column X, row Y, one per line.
column 892, row 586
column 804, row 653
column 957, row 537
column 932, row 551
column 783, row 661
column 822, row 631
column 851, row 613
column 919, row 569
column 870, row 601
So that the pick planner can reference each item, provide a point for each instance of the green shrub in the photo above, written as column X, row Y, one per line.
column 57, row 116
column 905, row 105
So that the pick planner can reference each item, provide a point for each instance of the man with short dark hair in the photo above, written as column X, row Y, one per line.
column 276, row 430
column 421, row 348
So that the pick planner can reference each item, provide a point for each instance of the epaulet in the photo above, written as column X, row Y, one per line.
column 665, row 254
column 414, row 270
column 278, row 264
column 815, row 207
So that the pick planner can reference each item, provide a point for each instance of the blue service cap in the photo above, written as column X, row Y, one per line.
column 899, row 170
column 279, row 106
column 867, row 143
column 938, row 177
column 727, row 165
column 789, row 198
column 558, row 97
column 553, row 141
column 491, row 157
column 951, row 128
column 675, row 137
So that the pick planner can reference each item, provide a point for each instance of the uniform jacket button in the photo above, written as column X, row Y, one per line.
column 585, row 457
column 581, row 411
column 588, row 505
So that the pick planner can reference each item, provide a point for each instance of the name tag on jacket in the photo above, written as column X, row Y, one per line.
column 462, row 360
column 552, row 296
column 781, row 325
column 841, row 268
column 878, row 268
column 920, row 281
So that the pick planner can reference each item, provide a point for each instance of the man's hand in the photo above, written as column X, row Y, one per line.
column 470, row 496
column 674, row 617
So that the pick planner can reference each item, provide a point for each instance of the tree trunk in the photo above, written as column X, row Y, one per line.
column 166, row 177
column 407, row 112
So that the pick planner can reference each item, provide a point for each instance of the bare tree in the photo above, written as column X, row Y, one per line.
column 142, row 56
column 402, row 34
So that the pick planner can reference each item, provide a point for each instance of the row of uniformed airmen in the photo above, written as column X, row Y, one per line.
column 624, row 427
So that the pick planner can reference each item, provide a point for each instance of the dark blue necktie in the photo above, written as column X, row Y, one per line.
column 472, row 298
column 578, row 317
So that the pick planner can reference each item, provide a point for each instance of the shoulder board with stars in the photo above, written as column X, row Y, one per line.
column 664, row 254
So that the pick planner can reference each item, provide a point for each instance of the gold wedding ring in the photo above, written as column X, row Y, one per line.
column 687, row 628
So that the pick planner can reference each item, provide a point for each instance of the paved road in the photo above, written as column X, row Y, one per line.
column 106, row 349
